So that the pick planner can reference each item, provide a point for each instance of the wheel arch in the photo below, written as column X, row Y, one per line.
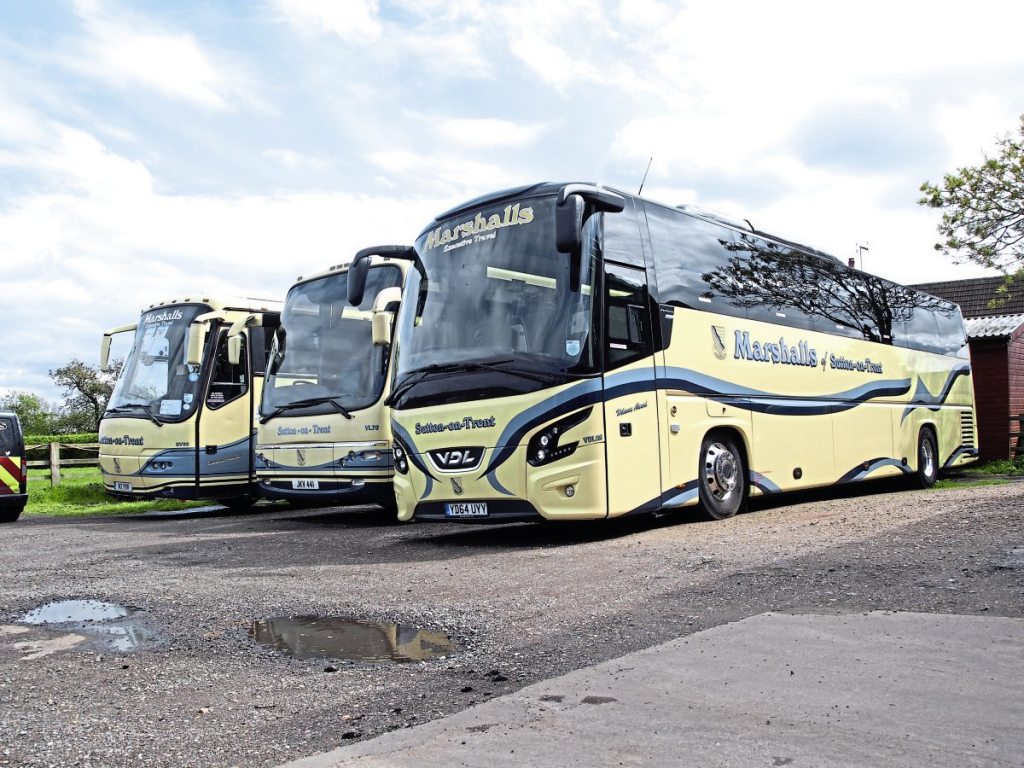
column 742, row 442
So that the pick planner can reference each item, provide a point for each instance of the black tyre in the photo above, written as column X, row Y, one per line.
column 721, row 476
column 12, row 513
column 927, row 460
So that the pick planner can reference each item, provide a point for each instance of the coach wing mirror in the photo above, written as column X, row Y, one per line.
column 361, row 265
column 235, row 334
column 105, row 344
column 197, row 336
column 274, row 364
column 570, row 211
column 384, row 315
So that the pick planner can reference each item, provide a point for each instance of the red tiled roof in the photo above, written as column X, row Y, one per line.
column 975, row 296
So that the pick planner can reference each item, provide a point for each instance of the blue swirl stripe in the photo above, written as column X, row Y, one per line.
column 923, row 398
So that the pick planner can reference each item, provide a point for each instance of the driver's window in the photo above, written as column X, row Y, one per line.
column 227, row 381
column 627, row 317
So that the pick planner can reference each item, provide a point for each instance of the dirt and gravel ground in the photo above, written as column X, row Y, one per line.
column 520, row 602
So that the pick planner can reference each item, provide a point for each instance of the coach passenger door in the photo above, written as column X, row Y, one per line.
column 225, row 422
column 631, row 407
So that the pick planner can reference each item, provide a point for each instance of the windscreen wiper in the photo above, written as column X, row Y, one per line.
column 308, row 403
column 134, row 408
column 416, row 375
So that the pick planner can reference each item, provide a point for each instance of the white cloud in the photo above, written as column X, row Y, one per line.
column 448, row 176
column 296, row 161
column 128, row 53
column 487, row 132
column 352, row 20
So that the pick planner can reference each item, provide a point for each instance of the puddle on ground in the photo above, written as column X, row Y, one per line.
column 332, row 637
column 107, row 624
column 73, row 612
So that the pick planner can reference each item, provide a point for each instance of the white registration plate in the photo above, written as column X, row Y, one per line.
column 306, row 485
column 119, row 486
column 466, row 509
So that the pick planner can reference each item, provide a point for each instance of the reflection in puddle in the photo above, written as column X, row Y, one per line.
column 327, row 637
column 73, row 611
column 101, row 622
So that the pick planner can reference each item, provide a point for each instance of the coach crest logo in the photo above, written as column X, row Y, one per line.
column 117, row 466
column 457, row 486
column 718, row 341
column 300, row 455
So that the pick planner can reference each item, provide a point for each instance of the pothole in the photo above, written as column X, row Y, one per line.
column 107, row 624
column 333, row 637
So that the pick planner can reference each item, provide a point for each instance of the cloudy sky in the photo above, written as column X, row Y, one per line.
column 150, row 150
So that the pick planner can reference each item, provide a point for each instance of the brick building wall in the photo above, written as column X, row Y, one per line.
column 992, row 395
column 1015, row 374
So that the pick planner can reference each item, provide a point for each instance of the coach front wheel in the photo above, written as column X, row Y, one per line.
column 721, row 476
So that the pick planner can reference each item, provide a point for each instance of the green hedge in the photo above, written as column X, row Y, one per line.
column 82, row 437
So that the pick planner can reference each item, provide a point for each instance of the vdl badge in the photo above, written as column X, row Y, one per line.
column 466, row 509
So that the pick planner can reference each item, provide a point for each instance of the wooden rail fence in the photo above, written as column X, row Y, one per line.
column 54, row 462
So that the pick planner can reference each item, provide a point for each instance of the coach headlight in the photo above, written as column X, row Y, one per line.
column 544, row 447
column 401, row 458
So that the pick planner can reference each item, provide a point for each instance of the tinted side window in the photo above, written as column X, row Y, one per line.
column 228, row 381
column 952, row 334
column 773, row 282
column 622, row 237
column 686, row 251
column 627, row 316
column 918, row 330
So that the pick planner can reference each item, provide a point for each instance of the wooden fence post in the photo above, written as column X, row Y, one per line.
column 54, row 465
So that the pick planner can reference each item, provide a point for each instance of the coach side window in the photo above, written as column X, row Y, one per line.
column 621, row 241
column 918, row 329
column 772, row 281
column 951, row 329
column 687, row 251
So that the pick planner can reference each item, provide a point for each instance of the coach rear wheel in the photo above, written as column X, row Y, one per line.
column 721, row 477
column 927, row 460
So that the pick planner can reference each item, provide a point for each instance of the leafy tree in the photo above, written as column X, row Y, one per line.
column 87, row 390
column 983, row 208
column 37, row 416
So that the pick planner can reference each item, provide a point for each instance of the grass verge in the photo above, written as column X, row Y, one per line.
column 81, row 493
column 972, row 482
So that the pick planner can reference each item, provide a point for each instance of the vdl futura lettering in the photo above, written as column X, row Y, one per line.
column 180, row 419
column 323, row 434
column 555, row 331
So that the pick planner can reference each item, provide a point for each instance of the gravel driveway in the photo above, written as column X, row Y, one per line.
column 520, row 603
